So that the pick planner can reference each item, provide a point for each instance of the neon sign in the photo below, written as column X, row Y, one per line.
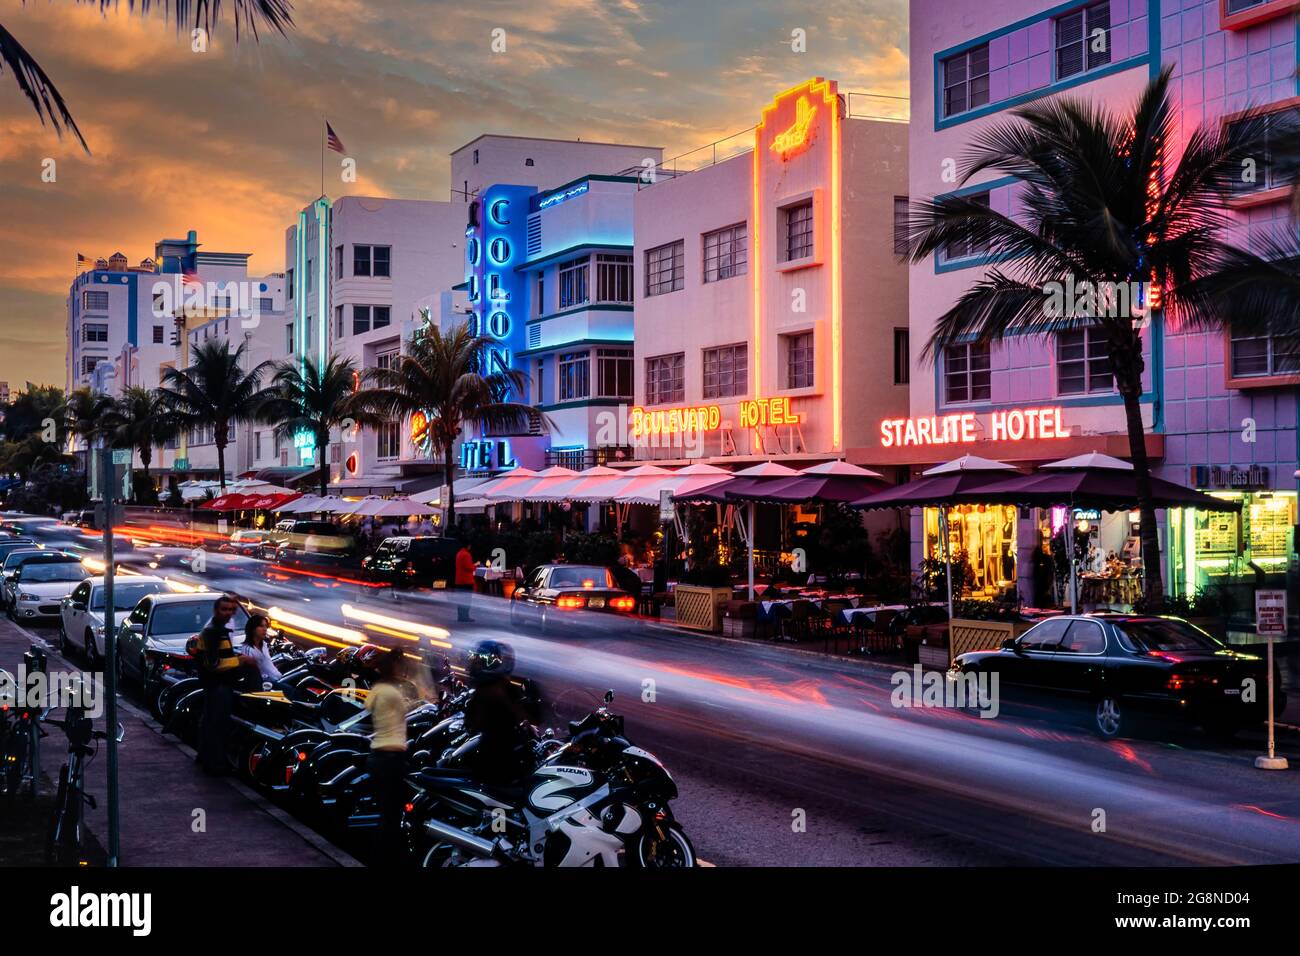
column 554, row 199
column 486, row 454
column 420, row 430
column 754, row 413
column 1014, row 424
column 796, row 135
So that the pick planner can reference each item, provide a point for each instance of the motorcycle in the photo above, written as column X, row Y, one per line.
column 592, row 800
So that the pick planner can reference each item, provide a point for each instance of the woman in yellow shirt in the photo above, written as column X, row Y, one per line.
column 388, row 704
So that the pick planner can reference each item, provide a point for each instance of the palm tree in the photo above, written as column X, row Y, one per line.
column 445, row 378
column 83, row 414
column 140, row 422
column 215, row 390
column 48, row 102
column 316, row 399
column 1103, row 203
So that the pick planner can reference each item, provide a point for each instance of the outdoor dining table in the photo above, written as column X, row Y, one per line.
column 780, row 607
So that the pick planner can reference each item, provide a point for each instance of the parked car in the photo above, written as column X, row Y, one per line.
column 246, row 542
column 423, row 560
column 1120, row 666
column 558, row 589
column 40, row 583
column 158, row 627
column 81, row 617
column 20, row 543
column 14, row 559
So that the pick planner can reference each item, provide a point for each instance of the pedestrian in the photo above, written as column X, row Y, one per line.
column 464, row 583
column 255, row 648
column 426, row 526
column 387, row 703
column 220, row 670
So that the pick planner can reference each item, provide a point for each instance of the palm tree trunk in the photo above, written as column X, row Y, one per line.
column 323, row 443
column 1130, row 386
column 146, row 457
column 221, row 464
column 451, row 490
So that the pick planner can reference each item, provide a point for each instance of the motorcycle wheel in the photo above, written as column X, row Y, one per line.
column 662, row 846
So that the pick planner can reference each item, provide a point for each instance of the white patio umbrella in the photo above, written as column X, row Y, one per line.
column 565, row 490
column 391, row 508
column 1092, row 459
column 306, row 503
column 254, row 486
column 843, row 468
column 524, row 490
column 510, row 478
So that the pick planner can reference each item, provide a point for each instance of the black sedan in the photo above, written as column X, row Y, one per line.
column 1120, row 666
column 554, row 591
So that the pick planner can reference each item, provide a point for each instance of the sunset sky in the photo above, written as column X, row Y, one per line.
column 227, row 142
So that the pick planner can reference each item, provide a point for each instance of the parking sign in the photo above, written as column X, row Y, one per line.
column 1270, row 613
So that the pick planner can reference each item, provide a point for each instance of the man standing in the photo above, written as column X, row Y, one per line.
column 464, row 583
column 219, row 670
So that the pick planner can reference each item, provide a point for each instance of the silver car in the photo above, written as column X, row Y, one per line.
column 81, row 618
column 161, row 624
column 40, row 584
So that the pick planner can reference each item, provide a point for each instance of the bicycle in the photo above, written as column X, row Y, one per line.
column 18, row 752
column 64, row 840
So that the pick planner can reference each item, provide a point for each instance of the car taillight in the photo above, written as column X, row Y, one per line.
column 569, row 602
column 1180, row 682
column 622, row 603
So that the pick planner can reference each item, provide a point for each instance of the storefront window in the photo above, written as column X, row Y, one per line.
column 986, row 536
column 1210, row 548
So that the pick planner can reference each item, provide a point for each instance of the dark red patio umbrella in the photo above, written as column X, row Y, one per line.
column 832, row 482
column 230, row 502
column 940, row 485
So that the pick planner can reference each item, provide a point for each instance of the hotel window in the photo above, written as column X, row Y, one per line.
column 726, row 253
column 799, row 361
column 338, row 262
column 371, row 261
column 89, row 362
column 257, row 446
column 1277, row 126
column 665, row 379
column 1259, row 355
column 902, row 356
column 573, row 283
column 94, row 301
column 613, row 277
column 1236, row 6
column 289, row 284
column 367, row 317
column 265, row 305
column 614, row 373
column 575, row 375
column 288, row 338
column 388, row 440
column 94, row 332
column 966, row 80
column 665, row 268
column 798, row 231
column 1083, row 363
column 902, row 215
column 541, row 294
column 1078, row 46
column 966, row 248
column 338, row 321
column 966, row 375
column 726, row 371
column 157, row 335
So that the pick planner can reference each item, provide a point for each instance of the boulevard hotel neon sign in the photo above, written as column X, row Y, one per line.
column 1012, row 424
column 754, row 413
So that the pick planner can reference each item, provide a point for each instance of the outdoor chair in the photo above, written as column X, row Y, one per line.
column 835, row 627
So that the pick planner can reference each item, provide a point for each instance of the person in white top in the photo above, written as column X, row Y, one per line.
column 254, row 647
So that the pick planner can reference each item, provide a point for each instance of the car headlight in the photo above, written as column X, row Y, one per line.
column 27, row 597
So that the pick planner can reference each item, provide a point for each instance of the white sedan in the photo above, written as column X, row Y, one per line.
column 39, row 586
column 81, row 617
column 160, row 625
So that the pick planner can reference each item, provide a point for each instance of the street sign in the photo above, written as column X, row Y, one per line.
column 122, row 456
column 1270, row 613
column 665, row 505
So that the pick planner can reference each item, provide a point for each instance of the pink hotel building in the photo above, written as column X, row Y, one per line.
column 1221, row 410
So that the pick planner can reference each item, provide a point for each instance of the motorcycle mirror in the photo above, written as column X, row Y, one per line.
column 121, row 732
column 609, row 697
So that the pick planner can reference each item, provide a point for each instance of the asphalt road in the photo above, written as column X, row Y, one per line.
column 788, row 758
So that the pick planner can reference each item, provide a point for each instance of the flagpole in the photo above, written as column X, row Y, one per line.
column 322, row 156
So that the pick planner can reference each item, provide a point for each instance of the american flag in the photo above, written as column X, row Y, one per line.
column 81, row 258
column 333, row 141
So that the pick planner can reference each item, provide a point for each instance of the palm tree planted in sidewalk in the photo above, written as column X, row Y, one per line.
column 215, row 392
column 83, row 414
column 316, row 399
column 445, row 377
column 1102, row 203
column 137, row 420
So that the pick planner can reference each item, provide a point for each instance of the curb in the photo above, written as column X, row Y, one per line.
column 784, row 647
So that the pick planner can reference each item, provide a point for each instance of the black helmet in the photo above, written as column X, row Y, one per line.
column 490, row 659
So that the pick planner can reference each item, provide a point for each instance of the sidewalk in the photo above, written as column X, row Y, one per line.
column 172, row 815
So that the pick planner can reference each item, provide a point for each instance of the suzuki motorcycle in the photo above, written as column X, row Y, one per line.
column 593, row 800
